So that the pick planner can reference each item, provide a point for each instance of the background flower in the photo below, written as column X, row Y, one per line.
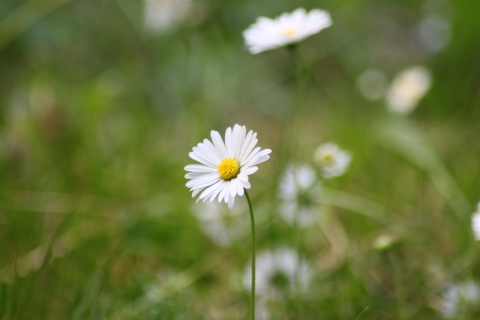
column 407, row 89
column 267, row 34
column 162, row 15
column 333, row 161
column 476, row 223
column 279, row 270
column 298, row 195
column 98, row 117
column 458, row 298
column 223, row 226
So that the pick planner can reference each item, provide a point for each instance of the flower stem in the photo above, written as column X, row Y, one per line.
column 252, row 219
column 301, row 79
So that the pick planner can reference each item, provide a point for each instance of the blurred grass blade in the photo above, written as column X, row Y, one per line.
column 167, row 288
column 406, row 140
column 90, row 296
column 36, row 258
column 357, row 204
column 3, row 299
column 24, row 16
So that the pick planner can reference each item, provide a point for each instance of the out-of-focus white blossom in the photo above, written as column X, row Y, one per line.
column 372, row 83
column 267, row 34
column 161, row 15
column 407, row 89
column 433, row 32
column 457, row 298
column 333, row 160
column 298, row 195
column 476, row 223
column 222, row 225
column 277, row 271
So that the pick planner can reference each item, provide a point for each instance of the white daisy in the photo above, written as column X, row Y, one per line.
column 222, row 226
column 407, row 89
column 298, row 193
column 332, row 160
column 278, row 271
column 161, row 15
column 458, row 298
column 372, row 83
column 476, row 223
column 224, row 166
column 267, row 34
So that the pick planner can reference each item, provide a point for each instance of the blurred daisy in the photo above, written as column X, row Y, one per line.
column 224, row 166
column 222, row 226
column 161, row 15
column 267, row 34
column 298, row 193
column 476, row 223
column 278, row 271
column 407, row 89
column 434, row 32
column 332, row 160
column 372, row 83
column 459, row 298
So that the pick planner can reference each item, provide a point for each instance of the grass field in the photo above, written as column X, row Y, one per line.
column 102, row 101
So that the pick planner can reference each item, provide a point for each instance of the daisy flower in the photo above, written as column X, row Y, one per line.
column 222, row 226
column 372, row 84
column 476, row 223
column 298, row 193
column 162, row 15
column 224, row 166
column 407, row 89
column 459, row 298
column 276, row 272
column 332, row 160
column 267, row 34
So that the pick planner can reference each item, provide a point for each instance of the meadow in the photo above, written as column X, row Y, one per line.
column 101, row 102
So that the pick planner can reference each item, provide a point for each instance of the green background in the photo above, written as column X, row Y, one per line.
column 98, row 115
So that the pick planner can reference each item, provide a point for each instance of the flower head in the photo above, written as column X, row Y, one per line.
column 279, row 270
column 476, row 223
column 222, row 226
column 224, row 166
column 458, row 298
column 267, row 34
column 332, row 160
column 162, row 15
column 298, row 193
column 407, row 89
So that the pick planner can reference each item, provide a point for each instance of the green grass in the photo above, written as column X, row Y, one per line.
column 98, row 116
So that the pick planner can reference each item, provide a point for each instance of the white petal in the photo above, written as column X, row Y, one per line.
column 231, row 202
column 237, row 186
column 249, row 170
column 203, row 182
column 248, row 145
column 199, row 168
column 218, row 143
column 213, row 189
column 222, row 194
column 229, row 142
column 239, row 132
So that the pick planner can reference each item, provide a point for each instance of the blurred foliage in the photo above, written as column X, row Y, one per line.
column 98, row 115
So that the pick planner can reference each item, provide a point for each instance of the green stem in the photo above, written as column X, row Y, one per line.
column 301, row 77
column 252, row 219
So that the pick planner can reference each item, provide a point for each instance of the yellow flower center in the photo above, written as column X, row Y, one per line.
column 289, row 32
column 327, row 159
column 228, row 168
